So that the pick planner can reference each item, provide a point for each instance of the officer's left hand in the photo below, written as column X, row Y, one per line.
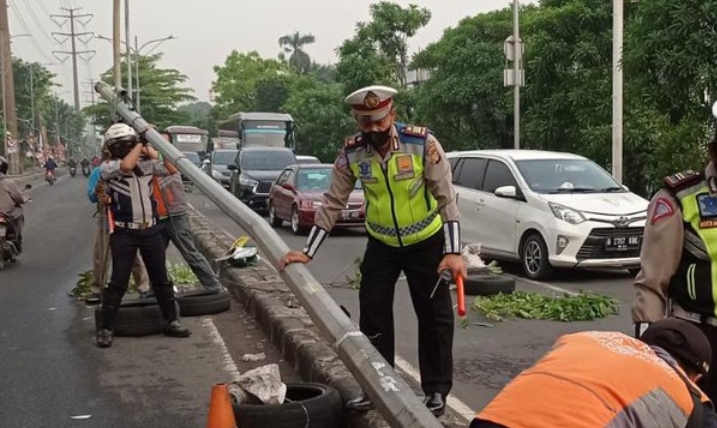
column 454, row 263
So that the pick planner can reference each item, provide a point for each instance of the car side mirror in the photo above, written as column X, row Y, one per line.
column 626, row 188
column 506, row 192
column 232, row 167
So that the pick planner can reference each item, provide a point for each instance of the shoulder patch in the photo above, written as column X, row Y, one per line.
column 682, row 179
column 353, row 141
column 432, row 152
column 663, row 209
column 415, row 131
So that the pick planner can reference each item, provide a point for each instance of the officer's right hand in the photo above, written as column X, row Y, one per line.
column 293, row 257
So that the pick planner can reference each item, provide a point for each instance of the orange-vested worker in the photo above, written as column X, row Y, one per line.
column 608, row 379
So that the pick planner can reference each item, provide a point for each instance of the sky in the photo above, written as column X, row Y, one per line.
column 206, row 31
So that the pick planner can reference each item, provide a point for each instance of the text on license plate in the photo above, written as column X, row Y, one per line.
column 346, row 215
column 622, row 242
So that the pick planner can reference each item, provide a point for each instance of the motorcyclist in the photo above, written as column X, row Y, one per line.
column 72, row 163
column 50, row 165
column 11, row 199
column 85, row 166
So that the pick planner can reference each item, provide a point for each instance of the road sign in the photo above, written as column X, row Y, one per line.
column 509, row 50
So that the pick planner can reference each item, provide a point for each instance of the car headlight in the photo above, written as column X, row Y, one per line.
column 247, row 182
column 310, row 205
column 216, row 174
column 566, row 214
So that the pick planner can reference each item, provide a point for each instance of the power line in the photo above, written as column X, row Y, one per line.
column 34, row 17
column 24, row 26
column 74, row 53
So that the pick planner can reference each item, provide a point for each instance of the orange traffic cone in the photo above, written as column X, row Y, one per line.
column 221, row 414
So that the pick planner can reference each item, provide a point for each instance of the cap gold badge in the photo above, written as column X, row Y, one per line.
column 371, row 100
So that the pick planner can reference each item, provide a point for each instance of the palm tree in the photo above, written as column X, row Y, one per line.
column 293, row 44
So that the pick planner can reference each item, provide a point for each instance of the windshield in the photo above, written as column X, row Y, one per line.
column 314, row 179
column 267, row 160
column 224, row 158
column 194, row 157
column 265, row 133
column 567, row 176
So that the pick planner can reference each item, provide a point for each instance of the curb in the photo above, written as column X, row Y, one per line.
column 22, row 180
column 287, row 324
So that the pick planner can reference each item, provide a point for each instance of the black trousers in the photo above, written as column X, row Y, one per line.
column 380, row 269
column 124, row 244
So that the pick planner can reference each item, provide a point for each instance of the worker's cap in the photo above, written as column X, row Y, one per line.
column 372, row 102
column 683, row 340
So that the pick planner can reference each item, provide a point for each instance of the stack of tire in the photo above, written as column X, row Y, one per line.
column 142, row 317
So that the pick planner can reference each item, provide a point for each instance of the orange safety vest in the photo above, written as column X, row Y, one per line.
column 161, row 197
column 595, row 379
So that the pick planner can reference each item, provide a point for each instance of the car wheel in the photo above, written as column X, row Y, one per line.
column 295, row 225
column 273, row 219
column 534, row 256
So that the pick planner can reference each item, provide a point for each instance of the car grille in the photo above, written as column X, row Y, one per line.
column 594, row 246
column 264, row 186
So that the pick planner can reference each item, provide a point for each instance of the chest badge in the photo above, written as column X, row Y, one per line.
column 708, row 211
column 365, row 173
column 404, row 166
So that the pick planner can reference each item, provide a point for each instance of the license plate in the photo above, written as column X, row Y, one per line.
column 621, row 243
column 349, row 215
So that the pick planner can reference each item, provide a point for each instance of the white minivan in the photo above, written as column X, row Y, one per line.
column 547, row 209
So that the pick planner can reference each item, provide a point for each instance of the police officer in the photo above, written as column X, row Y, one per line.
column 678, row 275
column 129, row 177
column 413, row 226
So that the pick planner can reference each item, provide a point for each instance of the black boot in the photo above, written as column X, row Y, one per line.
column 110, row 305
column 168, row 305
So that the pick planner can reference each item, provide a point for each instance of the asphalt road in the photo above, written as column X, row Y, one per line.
column 486, row 357
column 52, row 373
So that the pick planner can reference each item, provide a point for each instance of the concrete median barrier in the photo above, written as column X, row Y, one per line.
column 265, row 296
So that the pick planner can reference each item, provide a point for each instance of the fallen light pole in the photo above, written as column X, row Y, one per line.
column 393, row 398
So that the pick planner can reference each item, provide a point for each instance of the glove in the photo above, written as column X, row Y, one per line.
column 640, row 328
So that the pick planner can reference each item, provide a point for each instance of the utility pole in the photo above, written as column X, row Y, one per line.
column 129, row 53
column 8, row 84
column 74, row 53
column 617, row 24
column 116, row 49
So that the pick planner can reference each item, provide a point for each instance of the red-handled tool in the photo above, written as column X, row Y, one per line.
column 461, row 296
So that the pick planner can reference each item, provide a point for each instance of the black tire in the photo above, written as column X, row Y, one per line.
column 136, row 318
column 310, row 405
column 295, row 227
column 488, row 285
column 203, row 302
column 273, row 219
column 534, row 258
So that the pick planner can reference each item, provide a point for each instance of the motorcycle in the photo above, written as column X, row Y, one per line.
column 50, row 176
column 86, row 170
column 9, row 245
column 73, row 171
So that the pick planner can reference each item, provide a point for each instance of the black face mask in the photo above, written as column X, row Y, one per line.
column 377, row 139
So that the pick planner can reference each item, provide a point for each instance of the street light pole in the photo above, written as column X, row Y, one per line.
column 617, row 27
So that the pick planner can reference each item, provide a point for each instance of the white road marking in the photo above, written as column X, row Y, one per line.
column 459, row 407
column 545, row 285
column 228, row 361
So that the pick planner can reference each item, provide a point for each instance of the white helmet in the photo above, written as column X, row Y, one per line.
column 118, row 132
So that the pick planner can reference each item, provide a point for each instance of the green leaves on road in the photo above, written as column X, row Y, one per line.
column 582, row 307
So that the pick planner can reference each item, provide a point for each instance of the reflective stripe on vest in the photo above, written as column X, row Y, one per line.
column 400, row 210
column 594, row 379
column 694, row 285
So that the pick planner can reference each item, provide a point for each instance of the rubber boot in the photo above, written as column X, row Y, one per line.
column 110, row 305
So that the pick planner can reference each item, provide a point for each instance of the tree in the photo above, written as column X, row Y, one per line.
column 361, row 64
column 161, row 92
column 198, row 114
column 322, row 118
column 464, row 101
column 33, row 89
column 293, row 45
column 390, row 28
column 237, row 80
